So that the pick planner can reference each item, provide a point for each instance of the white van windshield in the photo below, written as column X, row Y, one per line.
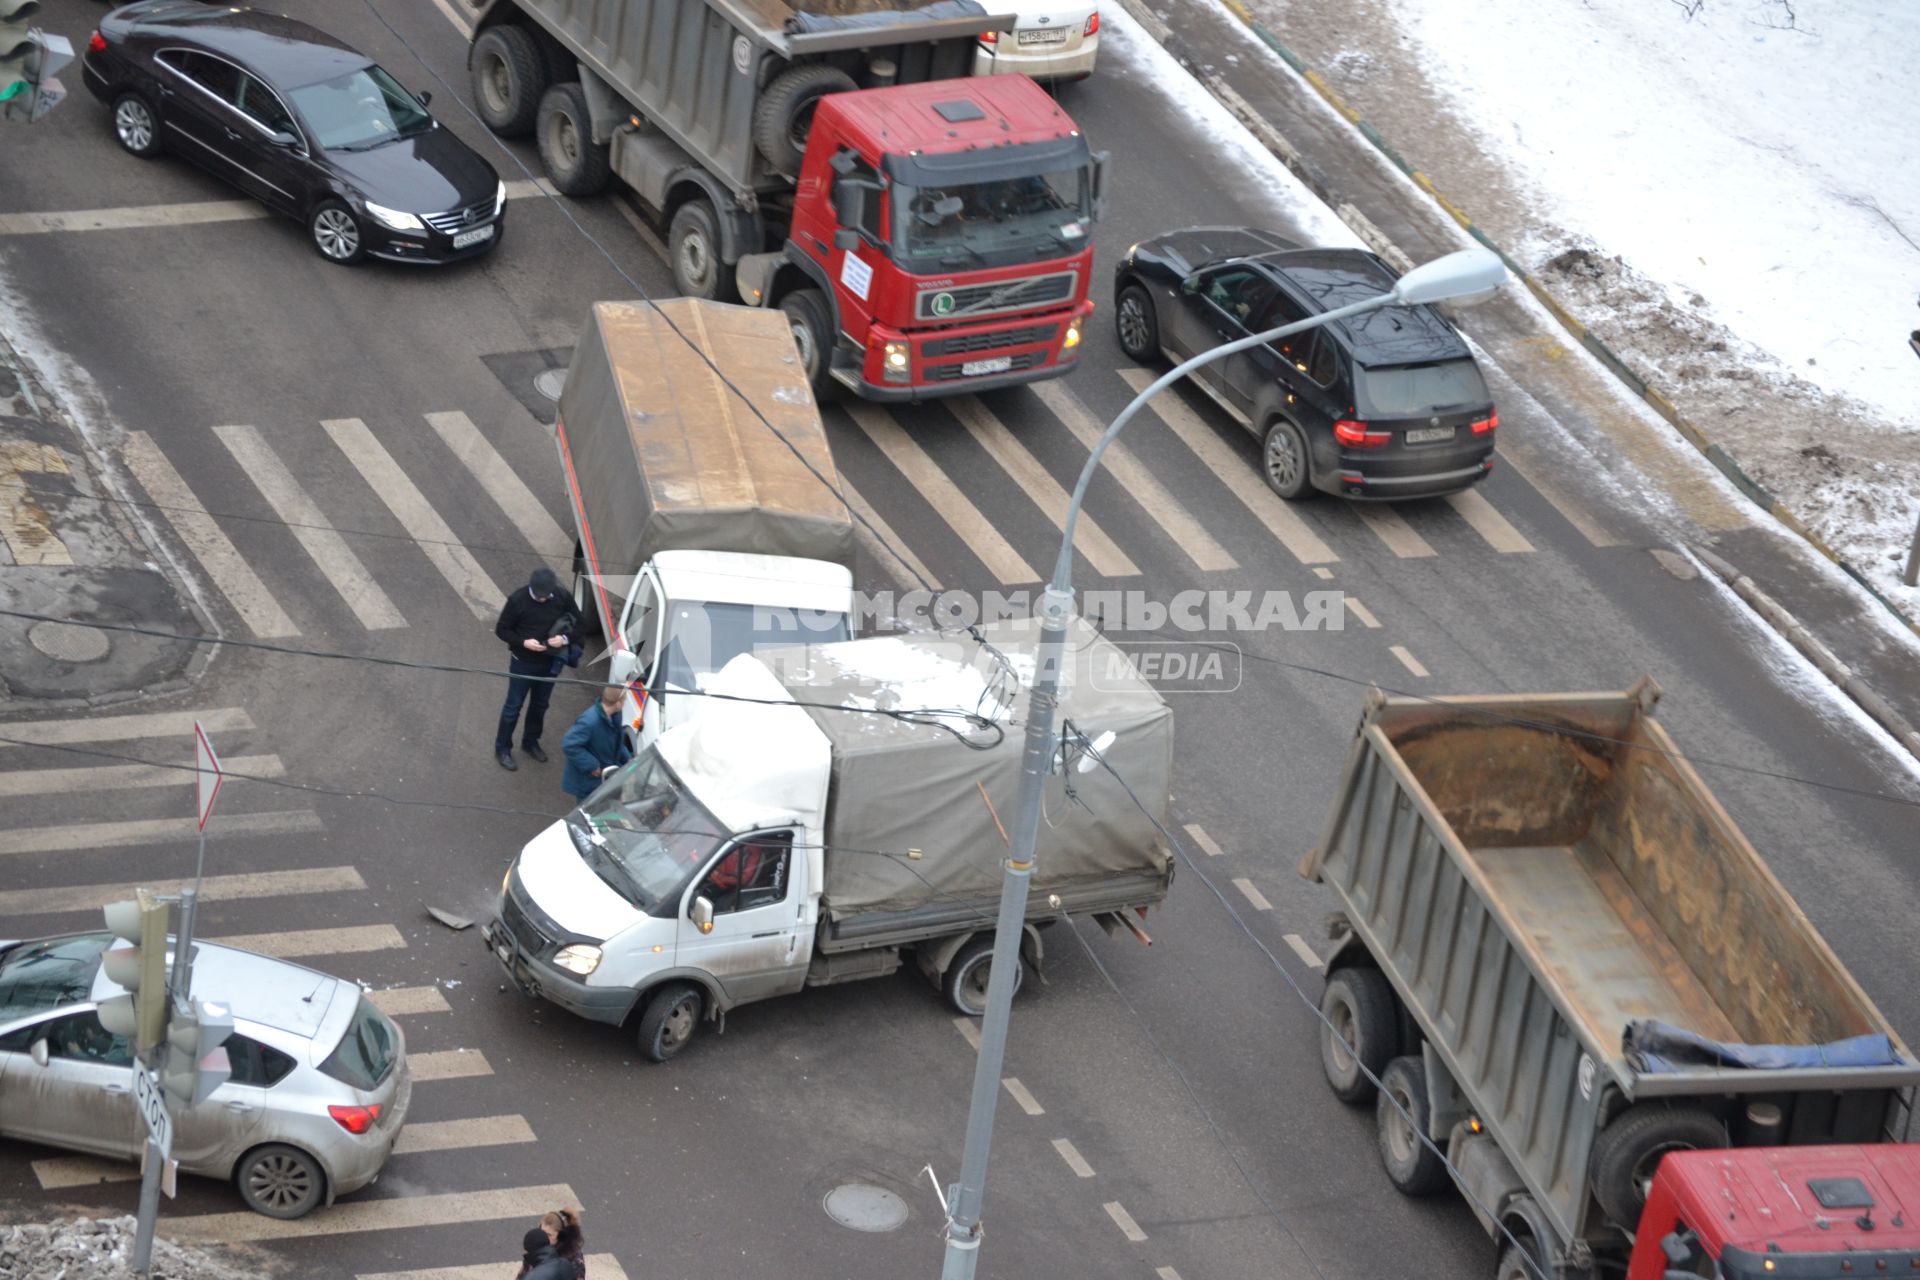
column 644, row 833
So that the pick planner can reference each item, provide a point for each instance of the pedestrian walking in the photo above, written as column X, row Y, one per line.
column 536, row 624
column 570, row 1242
column 540, row 1258
column 596, row 745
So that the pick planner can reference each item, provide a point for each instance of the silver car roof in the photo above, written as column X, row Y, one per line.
column 260, row 989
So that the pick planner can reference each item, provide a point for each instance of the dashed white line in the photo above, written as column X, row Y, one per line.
column 1323, row 573
column 1121, row 1219
column 1028, row 1103
column 453, row 15
column 1361, row 612
column 1408, row 661
column 1301, row 949
column 1075, row 1161
column 1167, row 1273
column 1205, row 841
column 1252, row 894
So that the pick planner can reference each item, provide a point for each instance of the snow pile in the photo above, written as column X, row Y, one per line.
column 101, row 1249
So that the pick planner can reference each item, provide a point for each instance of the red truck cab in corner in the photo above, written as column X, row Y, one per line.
column 1782, row 1213
column 941, row 239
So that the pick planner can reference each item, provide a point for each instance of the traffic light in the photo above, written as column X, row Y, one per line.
column 196, row 1061
column 140, row 965
column 29, row 62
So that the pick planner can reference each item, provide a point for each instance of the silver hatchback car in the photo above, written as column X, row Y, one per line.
column 319, row 1089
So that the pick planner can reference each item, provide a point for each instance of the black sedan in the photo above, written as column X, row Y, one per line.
column 1387, row 404
column 299, row 121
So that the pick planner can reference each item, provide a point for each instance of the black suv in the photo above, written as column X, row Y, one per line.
column 1388, row 404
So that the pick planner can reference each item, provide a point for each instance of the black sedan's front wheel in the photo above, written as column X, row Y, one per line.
column 136, row 126
column 336, row 233
column 1136, row 325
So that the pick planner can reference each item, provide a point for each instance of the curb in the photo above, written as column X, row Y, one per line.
column 1298, row 166
column 1818, row 654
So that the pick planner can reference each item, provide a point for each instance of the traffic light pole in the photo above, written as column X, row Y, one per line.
column 180, row 988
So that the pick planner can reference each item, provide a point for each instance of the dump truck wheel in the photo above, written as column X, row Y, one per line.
column 785, row 114
column 1629, row 1150
column 1520, row 1264
column 509, row 75
column 1360, row 1005
column 1415, row 1168
column 672, row 1016
column 806, row 311
column 967, row 977
column 576, row 164
column 693, row 250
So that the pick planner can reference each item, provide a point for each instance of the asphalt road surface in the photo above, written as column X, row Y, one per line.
column 1169, row 1117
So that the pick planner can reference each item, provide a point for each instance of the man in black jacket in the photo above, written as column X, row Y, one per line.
column 536, row 625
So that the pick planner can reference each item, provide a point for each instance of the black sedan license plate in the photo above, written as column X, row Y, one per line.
column 1427, row 435
column 473, row 237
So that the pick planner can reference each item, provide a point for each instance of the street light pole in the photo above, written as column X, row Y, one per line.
column 1468, row 275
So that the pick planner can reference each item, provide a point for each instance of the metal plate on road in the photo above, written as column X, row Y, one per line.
column 152, row 1106
column 1427, row 435
column 475, row 236
column 1058, row 36
column 999, row 364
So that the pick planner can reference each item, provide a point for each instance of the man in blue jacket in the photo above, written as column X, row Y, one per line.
column 596, row 745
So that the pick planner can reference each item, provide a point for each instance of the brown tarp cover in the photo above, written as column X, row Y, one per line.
column 900, row 786
column 664, row 457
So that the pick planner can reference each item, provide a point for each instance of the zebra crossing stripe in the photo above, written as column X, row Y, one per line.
column 227, row 888
column 1089, row 539
column 1187, row 533
column 1388, row 526
column 449, row 1064
column 300, row 943
column 450, row 1135
column 328, row 550
column 601, row 1266
column 416, row 515
column 883, row 542
column 212, row 548
column 161, row 724
column 121, row 777
column 1488, row 523
column 504, row 485
column 401, row 1002
column 76, row 836
column 373, row 1215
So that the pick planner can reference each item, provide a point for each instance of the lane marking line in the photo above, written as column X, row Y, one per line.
column 953, row 506
column 1360, row 611
column 1408, row 661
column 299, row 943
column 399, row 1002
column 1488, row 522
column 186, row 214
column 601, row 1266
column 324, row 546
column 882, row 541
column 373, row 1215
column 647, row 235
column 969, row 1031
column 417, row 516
column 159, row 724
column 1138, row 480
column 450, row 1064
column 227, row 888
column 453, row 16
column 1075, row 1161
column 1392, row 529
column 1324, row 574
column 1166, row 1273
column 1267, row 506
column 118, row 835
column 100, row 779
column 1028, row 1103
column 1121, row 1219
column 1205, row 841
column 1034, row 480
column 25, row 526
column 1592, row 530
column 1301, row 949
column 1252, row 894
column 196, row 529
column 504, row 485
column 451, row 1135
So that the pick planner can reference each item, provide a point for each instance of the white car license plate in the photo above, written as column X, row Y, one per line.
column 1427, row 435
column 999, row 364
column 475, row 236
column 1056, row 36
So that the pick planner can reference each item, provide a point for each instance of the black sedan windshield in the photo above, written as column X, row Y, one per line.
column 360, row 110
column 36, row 977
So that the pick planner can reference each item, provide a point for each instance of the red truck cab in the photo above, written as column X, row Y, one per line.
column 941, row 239
column 1782, row 1213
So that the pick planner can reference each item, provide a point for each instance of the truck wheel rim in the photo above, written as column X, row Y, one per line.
column 496, row 81
column 1400, row 1137
column 566, row 140
column 1283, row 461
column 696, row 261
column 280, row 1181
column 803, row 342
column 1342, row 1019
column 1133, row 324
column 1649, row 1163
column 134, row 124
column 335, row 233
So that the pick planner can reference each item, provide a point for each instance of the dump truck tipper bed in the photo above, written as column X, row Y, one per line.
column 1589, row 962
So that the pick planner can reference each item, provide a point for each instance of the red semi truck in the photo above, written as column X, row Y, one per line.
column 925, row 232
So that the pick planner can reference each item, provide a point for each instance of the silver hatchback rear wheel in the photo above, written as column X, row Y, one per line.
column 281, row 1182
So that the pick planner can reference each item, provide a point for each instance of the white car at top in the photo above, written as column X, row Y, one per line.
column 1050, row 40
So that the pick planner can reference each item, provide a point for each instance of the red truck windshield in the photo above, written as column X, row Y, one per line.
column 998, row 222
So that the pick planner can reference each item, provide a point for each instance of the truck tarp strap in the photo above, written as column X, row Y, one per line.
column 885, row 15
column 1653, row 1047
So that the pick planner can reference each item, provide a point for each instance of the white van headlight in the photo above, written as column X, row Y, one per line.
column 581, row 958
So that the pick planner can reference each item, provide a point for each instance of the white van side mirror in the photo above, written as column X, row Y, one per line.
column 623, row 667
column 701, row 914
column 38, row 1052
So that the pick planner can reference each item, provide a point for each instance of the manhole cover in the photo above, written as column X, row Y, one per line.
column 67, row 642
column 866, row 1208
column 550, row 383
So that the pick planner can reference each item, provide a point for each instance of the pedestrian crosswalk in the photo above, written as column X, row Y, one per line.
column 964, row 479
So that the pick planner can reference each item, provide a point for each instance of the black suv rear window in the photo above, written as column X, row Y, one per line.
column 367, row 1051
column 1409, row 390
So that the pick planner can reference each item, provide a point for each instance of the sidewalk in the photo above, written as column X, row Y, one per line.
column 68, row 549
column 1341, row 161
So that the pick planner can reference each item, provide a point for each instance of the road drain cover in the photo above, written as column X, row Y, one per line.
column 550, row 383
column 866, row 1208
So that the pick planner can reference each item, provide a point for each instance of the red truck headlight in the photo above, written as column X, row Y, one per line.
column 1071, row 341
column 896, row 362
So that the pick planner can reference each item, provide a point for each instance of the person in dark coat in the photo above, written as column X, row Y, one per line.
column 541, row 1260
column 596, row 745
column 536, row 624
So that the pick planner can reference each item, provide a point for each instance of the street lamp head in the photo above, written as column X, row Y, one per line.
column 1471, row 275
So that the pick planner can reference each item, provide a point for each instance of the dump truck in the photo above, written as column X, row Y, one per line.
column 703, row 532
column 830, row 811
column 1564, row 963
column 923, row 231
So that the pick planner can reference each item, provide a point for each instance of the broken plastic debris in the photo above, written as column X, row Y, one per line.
column 449, row 919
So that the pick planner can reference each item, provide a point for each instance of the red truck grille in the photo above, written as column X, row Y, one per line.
column 989, row 299
column 989, row 341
